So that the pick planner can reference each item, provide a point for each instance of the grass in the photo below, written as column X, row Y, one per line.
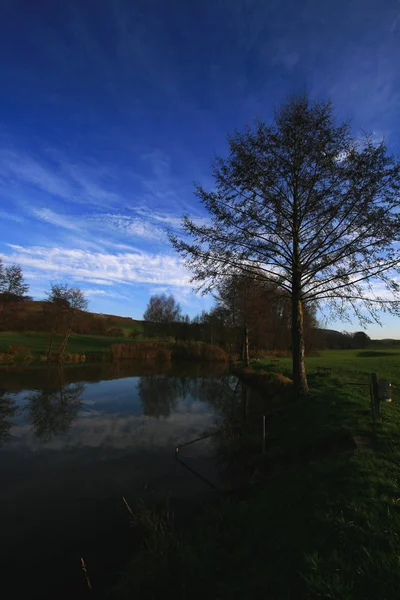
column 37, row 342
column 324, row 521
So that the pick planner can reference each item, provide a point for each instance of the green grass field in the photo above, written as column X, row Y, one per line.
column 37, row 342
column 349, row 365
column 323, row 520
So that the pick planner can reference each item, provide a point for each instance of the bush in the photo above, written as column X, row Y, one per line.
column 18, row 353
column 115, row 332
column 134, row 334
column 142, row 351
column 198, row 351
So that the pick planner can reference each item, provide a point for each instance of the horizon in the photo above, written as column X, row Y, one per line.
column 109, row 114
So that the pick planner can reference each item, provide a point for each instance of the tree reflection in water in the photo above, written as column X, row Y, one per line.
column 8, row 411
column 51, row 411
column 158, row 394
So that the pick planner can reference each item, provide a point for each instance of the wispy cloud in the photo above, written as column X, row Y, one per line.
column 96, row 292
column 20, row 166
column 11, row 217
column 127, row 226
column 79, row 265
column 49, row 216
column 57, row 177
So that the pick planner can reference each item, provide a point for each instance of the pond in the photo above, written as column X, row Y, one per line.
column 74, row 441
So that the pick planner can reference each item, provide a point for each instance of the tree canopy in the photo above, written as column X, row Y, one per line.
column 312, row 207
column 12, row 281
column 162, row 309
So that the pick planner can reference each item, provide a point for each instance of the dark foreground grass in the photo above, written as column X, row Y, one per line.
column 323, row 523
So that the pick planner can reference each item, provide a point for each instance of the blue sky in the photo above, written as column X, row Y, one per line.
column 110, row 109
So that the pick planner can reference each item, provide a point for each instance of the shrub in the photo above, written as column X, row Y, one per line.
column 142, row 351
column 198, row 351
column 134, row 334
column 18, row 353
column 115, row 332
column 74, row 357
column 20, row 350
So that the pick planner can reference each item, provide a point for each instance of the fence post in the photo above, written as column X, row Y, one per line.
column 264, row 435
column 375, row 394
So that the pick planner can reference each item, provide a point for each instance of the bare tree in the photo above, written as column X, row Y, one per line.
column 310, row 206
column 13, row 290
column 162, row 309
column 64, row 303
column 12, row 281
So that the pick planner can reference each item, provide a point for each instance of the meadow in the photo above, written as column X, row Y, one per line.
column 322, row 518
column 38, row 342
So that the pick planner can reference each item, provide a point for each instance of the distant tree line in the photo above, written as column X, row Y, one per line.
column 250, row 315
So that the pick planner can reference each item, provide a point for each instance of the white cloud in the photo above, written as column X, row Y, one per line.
column 49, row 216
column 100, row 281
column 94, row 292
column 80, row 265
column 127, row 226
column 168, row 219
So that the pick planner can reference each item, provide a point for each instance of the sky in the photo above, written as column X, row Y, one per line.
column 111, row 109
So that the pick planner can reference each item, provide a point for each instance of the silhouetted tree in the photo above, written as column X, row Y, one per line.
column 162, row 309
column 311, row 207
column 64, row 303
column 360, row 339
column 13, row 291
column 161, row 312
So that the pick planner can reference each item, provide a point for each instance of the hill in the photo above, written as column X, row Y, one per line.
column 33, row 315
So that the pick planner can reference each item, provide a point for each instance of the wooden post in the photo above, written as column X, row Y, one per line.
column 264, row 435
column 371, row 397
column 375, row 394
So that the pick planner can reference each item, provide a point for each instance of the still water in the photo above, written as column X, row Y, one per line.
column 75, row 440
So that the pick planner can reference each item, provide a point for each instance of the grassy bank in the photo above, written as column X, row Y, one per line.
column 323, row 520
column 38, row 342
column 116, row 347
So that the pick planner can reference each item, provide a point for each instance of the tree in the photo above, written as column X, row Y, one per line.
column 309, row 205
column 262, row 311
column 2, row 276
column 12, row 281
column 360, row 339
column 64, row 304
column 13, row 291
column 162, row 309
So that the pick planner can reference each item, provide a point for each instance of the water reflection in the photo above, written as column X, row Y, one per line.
column 52, row 411
column 8, row 410
column 161, row 395
column 158, row 395
column 117, row 426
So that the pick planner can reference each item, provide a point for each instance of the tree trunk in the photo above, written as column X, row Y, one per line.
column 52, row 336
column 64, row 343
column 299, row 368
column 246, row 346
